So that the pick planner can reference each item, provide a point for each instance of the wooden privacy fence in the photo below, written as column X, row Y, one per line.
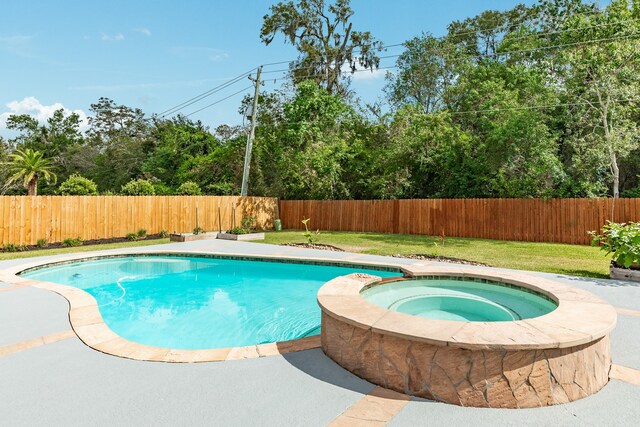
column 25, row 219
column 532, row 220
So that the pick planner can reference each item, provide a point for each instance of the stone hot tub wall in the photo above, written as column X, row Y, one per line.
column 556, row 358
column 481, row 378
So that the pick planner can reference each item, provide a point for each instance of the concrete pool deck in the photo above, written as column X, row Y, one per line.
column 49, row 377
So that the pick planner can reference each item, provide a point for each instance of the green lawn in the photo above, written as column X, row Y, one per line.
column 550, row 257
column 88, row 248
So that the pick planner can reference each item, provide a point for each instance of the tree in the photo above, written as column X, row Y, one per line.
column 77, row 185
column 138, row 187
column 174, row 142
column 4, row 172
column 424, row 74
column 307, row 151
column 323, row 34
column 189, row 188
column 118, row 138
column 603, row 84
column 28, row 166
column 57, row 139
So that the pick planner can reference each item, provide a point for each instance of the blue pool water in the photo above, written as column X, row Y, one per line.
column 200, row 303
column 459, row 299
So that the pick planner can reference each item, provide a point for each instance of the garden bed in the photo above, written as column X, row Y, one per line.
column 315, row 246
column 190, row 237
column 437, row 258
column 91, row 242
column 242, row 237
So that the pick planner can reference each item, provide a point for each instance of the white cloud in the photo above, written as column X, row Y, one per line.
column 31, row 106
column 365, row 75
column 219, row 57
column 115, row 38
column 143, row 30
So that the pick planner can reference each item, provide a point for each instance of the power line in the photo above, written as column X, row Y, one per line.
column 236, row 79
column 285, row 77
column 497, row 54
column 508, row 52
column 537, row 107
column 205, row 94
column 218, row 101
column 455, row 34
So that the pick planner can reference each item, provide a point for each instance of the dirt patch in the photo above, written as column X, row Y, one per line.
column 315, row 246
column 437, row 258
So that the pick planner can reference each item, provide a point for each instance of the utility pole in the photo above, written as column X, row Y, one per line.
column 252, row 135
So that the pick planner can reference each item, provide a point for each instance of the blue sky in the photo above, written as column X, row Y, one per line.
column 157, row 54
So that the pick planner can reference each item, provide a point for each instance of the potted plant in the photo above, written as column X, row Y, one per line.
column 623, row 242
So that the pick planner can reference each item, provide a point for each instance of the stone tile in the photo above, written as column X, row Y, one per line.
column 375, row 408
column 594, row 319
column 248, row 352
column 622, row 373
column 438, row 332
column 628, row 311
column 346, row 421
column 95, row 334
column 501, row 335
column 270, row 349
column 565, row 337
column 193, row 356
column 8, row 349
column 343, row 285
column 353, row 309
column 301, row 344
column 86, row 315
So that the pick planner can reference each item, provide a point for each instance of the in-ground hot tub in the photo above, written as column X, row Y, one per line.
column 468, row 337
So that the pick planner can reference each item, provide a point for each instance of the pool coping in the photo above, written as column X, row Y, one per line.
column 341, row 299
column 89, row 326
column 580, row 318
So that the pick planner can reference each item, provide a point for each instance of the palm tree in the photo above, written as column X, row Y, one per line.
column 28, row 166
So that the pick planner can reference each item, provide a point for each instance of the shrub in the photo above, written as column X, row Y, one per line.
column 142, row 233
column 189, row 188
column 248, row 222
column 221, row 189
column 199, row 230
column 163, row 234
column 162, row 189
column 632, row 193
column 77, row 185
column 42, row 243
column 12, row 247
column 132, row 236
column 71, row 242
column 239, row 230
column 138, row 187
column 621, row 240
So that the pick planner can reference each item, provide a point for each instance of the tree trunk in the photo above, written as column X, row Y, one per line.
column 616, row 173
column 32, row 189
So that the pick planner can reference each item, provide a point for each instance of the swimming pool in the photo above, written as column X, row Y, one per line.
column 195, row 303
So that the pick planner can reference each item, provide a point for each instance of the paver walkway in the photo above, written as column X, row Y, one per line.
column 49, row 377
